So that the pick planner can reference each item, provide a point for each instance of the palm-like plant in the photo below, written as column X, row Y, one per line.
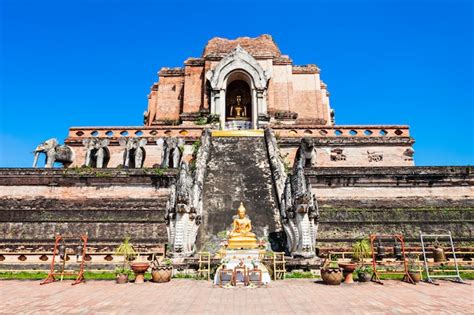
column 126, row 250
column 361, row 249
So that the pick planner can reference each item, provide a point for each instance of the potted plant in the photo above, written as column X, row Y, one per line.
column 161, row 271
column 122, row 274
column 361, row 251
column 125, row 250
column 364, row 273
column 331, row 274
column 414, row 268
column 139, row 268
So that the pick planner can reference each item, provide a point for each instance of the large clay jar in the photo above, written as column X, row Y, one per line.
column 438, row 254
column 415, row 275
column 161, row 274
column 332, row 276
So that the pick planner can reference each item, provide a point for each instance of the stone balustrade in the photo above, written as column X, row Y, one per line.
column 76, row 133
column 284, row 131
column 288, row 131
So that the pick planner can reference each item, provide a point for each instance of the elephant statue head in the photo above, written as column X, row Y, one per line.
column 171, row 149
column 97, row 154
column 54, row 153
column 134, row 151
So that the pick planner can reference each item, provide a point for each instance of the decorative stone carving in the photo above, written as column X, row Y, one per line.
column 96, row 152
column 172, row 151
column 134, row 151
column 302, row 215
column 408, row 154
column 54, row 153
column 184, row 207
column 238, row 58
column 298, row 207
column 306, row 154
column 337, row 155
column 374, row 156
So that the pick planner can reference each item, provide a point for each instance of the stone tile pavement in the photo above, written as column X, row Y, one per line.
column 293, row 296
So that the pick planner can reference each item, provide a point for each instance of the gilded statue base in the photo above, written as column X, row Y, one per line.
column 249, row 243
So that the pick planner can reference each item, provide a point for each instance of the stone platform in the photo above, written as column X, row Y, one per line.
column 302, row 296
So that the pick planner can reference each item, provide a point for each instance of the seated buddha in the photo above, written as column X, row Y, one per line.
column 238, row 110
column 241, row 236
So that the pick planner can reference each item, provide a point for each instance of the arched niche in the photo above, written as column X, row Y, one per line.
column 238, row 101
column 238, row 65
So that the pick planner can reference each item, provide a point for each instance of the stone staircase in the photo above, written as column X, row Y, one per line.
column 238, row 171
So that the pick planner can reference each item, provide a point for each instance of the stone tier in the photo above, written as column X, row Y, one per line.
column 355, row 202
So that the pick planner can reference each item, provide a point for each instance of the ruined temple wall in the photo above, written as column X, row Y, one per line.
column 356, row 156
column 373, row 193
column 282, row 89
column 78, row 192
column 304, row 96
column 152, row 105
column 108, row 205
column 193, row 88
column 169, row 96
column 356, row 202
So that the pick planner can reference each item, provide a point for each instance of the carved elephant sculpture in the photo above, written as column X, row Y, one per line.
column 171, row 151
column 54, row 153
column 134, row 153
column 97, row 152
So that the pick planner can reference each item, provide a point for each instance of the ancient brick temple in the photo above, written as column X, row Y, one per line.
column 240, row 123
column 247, row 83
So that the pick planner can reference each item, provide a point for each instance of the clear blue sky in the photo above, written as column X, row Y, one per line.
column 91, row 63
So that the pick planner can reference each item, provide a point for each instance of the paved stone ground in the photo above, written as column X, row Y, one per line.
column 302, row 296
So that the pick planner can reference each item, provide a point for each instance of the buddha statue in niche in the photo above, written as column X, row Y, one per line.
column 241, row 236
column 238, row 110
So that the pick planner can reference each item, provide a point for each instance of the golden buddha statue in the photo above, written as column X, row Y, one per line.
column 238, row 110
column 241, row 236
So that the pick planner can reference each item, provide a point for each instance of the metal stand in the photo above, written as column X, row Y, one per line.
column 279, row 266
column 205, row 265
column 377, row 273
column 430, row 277
column 60, row 244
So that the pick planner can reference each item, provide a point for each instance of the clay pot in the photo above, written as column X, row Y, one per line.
column 415, row 275
column 139, row 268
column 364, row 276
column 348, row 269
column 438, row 254
column 331, row 276
column 162, row 274
column 121, row 278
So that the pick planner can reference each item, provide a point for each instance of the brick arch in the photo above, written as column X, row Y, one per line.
column 241, row 61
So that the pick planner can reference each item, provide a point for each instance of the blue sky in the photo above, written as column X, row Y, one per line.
column 91, row 63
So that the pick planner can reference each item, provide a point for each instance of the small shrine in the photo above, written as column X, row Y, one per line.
column 241, row 262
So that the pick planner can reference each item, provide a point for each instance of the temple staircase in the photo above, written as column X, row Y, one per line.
column 238, row 171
